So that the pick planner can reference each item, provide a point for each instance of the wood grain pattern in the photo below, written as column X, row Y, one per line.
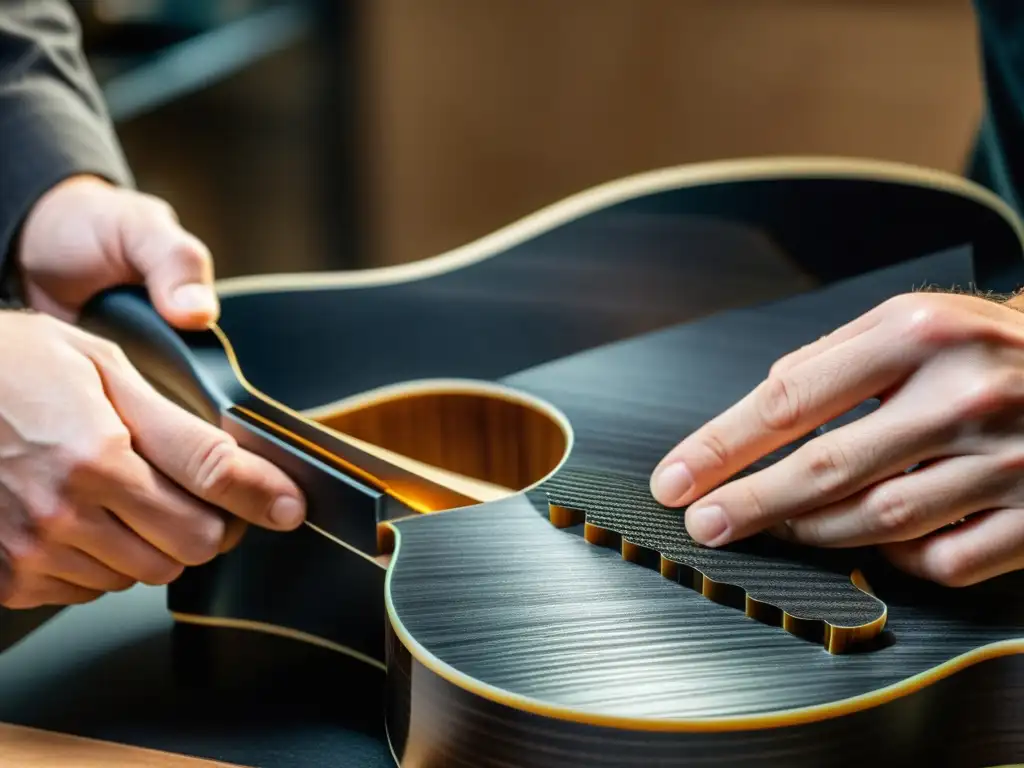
column 34, row 748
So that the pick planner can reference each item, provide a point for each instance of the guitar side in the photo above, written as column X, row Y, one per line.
column 969, row 716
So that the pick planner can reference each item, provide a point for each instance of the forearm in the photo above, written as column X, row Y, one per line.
column 53, row 123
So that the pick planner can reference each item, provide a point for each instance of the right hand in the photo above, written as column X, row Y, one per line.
column 104, row 482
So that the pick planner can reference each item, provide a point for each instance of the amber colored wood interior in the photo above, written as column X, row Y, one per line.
column 22, row 747
column 482, row 436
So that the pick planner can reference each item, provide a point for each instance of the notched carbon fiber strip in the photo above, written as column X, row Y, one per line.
column 812, row 593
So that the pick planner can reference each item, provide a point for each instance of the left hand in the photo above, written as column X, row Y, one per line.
column 85, row 235
column 949, row 372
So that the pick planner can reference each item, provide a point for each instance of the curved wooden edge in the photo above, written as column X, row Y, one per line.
column 620, row 190
column 26, row 747
column 783, row 718
column 836, row 638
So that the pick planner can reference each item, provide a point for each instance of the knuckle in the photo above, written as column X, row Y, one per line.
column 98, row 456
column 779, row 406
column 204, row 541
column 806, row 530
column 923, row 325
column 952, row 566
column 827, row 464
column 51, row 518
column 715, row 450
column 215, row 469
column 27, row 555
column 990, row 390
column 107, row 351
column 890, row 511
column 924, row 322
column 904, row 303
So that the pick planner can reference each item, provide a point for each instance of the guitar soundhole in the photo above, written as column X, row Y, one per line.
column 486, row 440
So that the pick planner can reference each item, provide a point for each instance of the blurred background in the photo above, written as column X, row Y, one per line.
column 331, row 134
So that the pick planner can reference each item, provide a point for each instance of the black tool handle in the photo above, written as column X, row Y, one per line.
column 191, row 367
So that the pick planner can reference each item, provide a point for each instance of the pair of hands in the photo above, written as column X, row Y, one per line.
column 104, row 483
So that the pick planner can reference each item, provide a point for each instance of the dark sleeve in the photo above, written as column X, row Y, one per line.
column 53, row 123
column 998, row 160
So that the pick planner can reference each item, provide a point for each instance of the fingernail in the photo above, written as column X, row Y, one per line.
column 671, row 482
column 707, row 525
column 194, row 296
column 287, row 512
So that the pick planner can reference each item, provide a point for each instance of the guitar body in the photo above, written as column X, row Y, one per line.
column 514, row 642
column 565, row 619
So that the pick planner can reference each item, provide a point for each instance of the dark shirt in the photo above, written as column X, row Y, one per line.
column 53, row 122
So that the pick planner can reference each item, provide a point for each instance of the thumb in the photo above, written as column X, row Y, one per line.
column 175, row 264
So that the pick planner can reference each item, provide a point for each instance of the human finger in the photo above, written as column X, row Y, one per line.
column 986, row 545
column 204, row 460
column 40, row 590
column 31, row 590
column 859, row 325
column 104, row 537
column 175, row 264
column 74, row 567
column 907, row 506
column 183, row 527
column 781, row 409
column 101, row 469
column 823, row 471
